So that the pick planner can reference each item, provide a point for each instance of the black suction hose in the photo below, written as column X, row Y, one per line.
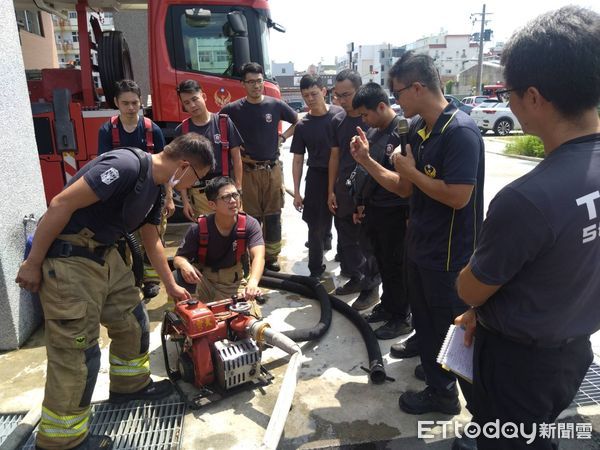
column 312, row 289
column 137, row 259
column 279, row 281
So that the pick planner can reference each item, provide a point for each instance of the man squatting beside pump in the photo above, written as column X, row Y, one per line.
column 257, row 118
column 209, row 260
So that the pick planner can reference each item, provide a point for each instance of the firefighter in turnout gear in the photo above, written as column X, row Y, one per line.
column 209, row 260
column 83, row 281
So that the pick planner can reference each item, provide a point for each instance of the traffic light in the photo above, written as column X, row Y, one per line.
column 487, row 35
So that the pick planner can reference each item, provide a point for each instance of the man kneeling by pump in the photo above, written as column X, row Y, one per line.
column 208, row 261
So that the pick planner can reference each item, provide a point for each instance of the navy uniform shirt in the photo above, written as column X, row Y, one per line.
column 137, row 138
column 541, row 243
column 112, row 176
column 212, row 132
column 380, row 196
column 220, row 251
column 313, row 133
column 258, row 124
column 343, row 129
column 440, row 237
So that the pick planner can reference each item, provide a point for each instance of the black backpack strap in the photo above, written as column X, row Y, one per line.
column 144, row 164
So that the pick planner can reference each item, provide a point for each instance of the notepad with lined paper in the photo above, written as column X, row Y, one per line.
column 455, row 356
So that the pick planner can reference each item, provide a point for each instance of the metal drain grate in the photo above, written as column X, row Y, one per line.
column 8, row 422
column 589, row 391
column 137, row 425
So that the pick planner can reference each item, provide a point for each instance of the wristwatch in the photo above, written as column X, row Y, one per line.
column 282, row 137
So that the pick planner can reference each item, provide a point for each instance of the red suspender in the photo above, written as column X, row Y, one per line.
column 241, row 237
column 202, row 239
column 223, row 129
column 116, row 141
column 114, row 123
column 149, row 135
column 240, row 248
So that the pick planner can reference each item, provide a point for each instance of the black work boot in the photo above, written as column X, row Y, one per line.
column 378, row 315
column 406, row 349
column 154, row 391
column 92, row 442
column 352, row 286
column 429, row 400
column 420, row 373
column 393, row 328
column 272, row 265
column 366, row 299
column 464, row 443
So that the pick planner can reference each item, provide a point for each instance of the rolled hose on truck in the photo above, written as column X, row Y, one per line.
column 311, row 288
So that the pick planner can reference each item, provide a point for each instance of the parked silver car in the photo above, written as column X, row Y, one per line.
column 495, row 116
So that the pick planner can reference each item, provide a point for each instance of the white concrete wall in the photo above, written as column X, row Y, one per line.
column 21, row 186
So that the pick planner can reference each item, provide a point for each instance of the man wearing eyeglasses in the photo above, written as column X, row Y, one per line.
column 534, row 278
column 356, row 257
column 443, row 174
column 216, row 272
column 257, row 118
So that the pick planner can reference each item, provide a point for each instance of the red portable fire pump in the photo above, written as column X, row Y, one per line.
column 215, row 349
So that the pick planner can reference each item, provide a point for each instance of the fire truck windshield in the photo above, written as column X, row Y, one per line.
column 204, row 38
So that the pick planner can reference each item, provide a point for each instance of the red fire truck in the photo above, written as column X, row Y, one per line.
column 206, row 40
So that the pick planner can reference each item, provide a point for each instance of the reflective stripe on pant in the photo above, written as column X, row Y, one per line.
column 78, row 294
column 55, row 426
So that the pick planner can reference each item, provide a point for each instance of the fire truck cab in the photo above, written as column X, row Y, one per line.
column 205, row 40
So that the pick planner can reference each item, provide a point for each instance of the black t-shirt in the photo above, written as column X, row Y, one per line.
column 541, row 242
column 258, row 125
column 112, row 176
column 313, row 133
column 440, row 237
column 137, row 138
column 212, row 132
column 343, row 129
column 381, row 196
column 220, row 253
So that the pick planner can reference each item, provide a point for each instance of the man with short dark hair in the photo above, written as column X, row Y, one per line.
column 383, row 213
column 443, row 173
column 535, row 281
column 216, row 129
column 208, row 261
column 84, row 282
column 129, row 129
column 257, row 118
column 355, row 253
column 313, row 134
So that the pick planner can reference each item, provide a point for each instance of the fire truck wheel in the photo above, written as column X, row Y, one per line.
column 114, row 63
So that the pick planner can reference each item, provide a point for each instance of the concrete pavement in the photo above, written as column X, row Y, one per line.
column 334, row 403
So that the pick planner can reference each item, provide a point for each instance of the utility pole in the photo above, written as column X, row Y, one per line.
column 480, row 58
